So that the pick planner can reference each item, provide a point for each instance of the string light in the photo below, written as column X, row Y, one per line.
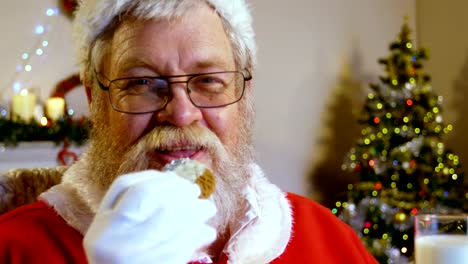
column 40, row 30
column 25, row 66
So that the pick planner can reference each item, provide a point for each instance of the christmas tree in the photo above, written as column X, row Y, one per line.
column 402, row 164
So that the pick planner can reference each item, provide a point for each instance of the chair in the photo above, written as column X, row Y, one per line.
column 22, row 186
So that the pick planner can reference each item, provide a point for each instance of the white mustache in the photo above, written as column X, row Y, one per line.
column 168, row 138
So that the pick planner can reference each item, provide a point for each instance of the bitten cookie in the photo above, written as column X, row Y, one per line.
column 196, row 172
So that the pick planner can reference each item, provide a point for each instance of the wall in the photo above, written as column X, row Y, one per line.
column 19, row 20
column 315, row 58
column 443, row 31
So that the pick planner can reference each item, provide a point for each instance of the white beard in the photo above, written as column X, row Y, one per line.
column 106, row 161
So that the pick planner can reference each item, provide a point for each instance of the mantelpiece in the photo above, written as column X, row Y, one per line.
column 35, row 154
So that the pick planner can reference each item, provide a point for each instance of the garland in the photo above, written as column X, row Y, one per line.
column 65, row 129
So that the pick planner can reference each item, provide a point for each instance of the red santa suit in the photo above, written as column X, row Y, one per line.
column 276, row 228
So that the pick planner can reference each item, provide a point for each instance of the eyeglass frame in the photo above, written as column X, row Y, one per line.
column 166, row 78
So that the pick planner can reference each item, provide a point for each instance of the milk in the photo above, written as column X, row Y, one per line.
column 442, row 249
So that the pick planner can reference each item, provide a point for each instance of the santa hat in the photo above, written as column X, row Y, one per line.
column 94, row 16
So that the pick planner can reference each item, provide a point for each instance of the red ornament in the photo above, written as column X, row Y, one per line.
column 378, row 186
column 69, row 6
column 66, row 85
column 65, row 156
column 357, row 167
column 422, row 193
column 367, row 224
column 414, row 211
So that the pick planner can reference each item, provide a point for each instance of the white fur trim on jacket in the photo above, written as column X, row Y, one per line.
column 260, row 241
column 265, row 238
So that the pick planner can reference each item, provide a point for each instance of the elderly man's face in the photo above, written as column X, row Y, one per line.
column 219, row 137
column 195, row 44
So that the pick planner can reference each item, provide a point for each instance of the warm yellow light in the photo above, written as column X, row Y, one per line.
column 43, row 121
column 24, row 92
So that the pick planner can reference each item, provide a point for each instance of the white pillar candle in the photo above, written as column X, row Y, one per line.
column 55, row 108
column 23, row 105
column 441, row 249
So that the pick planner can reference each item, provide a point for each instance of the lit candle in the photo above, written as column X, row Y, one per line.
column 23, row 105
column 55, row 108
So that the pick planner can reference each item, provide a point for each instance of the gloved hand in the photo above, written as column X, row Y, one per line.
column 149, row 217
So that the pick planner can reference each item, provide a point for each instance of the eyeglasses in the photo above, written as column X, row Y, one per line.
column 138, row 95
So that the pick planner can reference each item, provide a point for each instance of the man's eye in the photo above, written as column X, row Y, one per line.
column 208, row 84
column 209, row 80
column 138, row 86
column 138, row 83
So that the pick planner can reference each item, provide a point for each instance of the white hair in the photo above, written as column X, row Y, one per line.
column 96, row 18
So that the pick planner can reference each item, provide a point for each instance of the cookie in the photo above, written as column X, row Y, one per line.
column 196, row 172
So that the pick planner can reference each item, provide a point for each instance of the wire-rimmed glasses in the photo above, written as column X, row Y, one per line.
column 137, row 95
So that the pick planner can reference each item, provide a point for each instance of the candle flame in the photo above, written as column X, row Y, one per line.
column 24, row 92
column 43, row 121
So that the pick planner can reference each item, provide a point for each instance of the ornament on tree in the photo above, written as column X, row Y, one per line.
column 400, row 218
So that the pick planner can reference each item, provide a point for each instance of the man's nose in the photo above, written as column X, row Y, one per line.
column 179, row 111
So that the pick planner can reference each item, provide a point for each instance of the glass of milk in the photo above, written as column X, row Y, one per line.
column 441, row 239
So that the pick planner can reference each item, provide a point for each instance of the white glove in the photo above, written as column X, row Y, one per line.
column 149, row 217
